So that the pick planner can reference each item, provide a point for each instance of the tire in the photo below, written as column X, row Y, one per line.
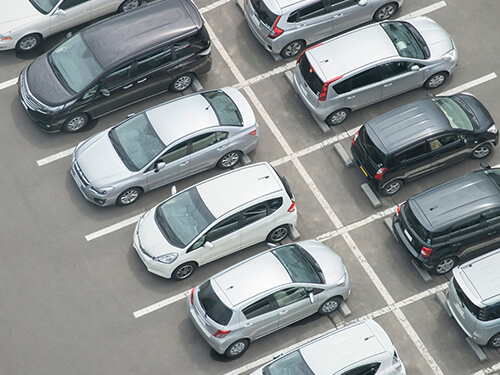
column 129, row 196
column 436, row 80
column 229, row 160
column 129, row 5
column 184, row 271
column 337, row 117
column 292, row 49
column 75, row 123
column 385, row 12
column 278, row 234
column 495, row 341
column 181, row 83
column 330, row 305
column 481, row 151
column 392, row 187
column 445, row 265
column 28, row 43
column 236, row 349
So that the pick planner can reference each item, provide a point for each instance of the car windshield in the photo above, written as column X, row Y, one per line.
column 212, row 305
column 494, row 175
column 310, row 76
column 226, row 111
column 183, row 217
column 299, row 264
column 44, row 6
column 264, row 13
column 74, row 64
column 456, row 115
column 136, row 142
column 406, row 39
column 291, row 364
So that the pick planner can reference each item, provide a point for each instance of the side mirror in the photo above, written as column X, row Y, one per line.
column 415, row 68
column 431, row 96
column 209, row 245
column 105, row 92
column 362, row 3
column 159, row 166
column 277, row 356
column 173, row 191
column 311, row 297
column 271, row 245
column 484, row 165
column 69, row 35
column 130, row 115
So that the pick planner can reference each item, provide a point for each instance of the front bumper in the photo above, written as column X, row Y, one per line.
column 158, row 268
column 87, row 192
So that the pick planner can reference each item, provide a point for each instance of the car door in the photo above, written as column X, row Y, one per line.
column 293, row 304
column 100, row 8
column 399, row 76
column 224, row 238
column 70, row 13
column 258, row 318
column 447, row 149
column 176, row 167
column 466, row 238
column 415, row 161
column 347, row 13
column 207, row 149
column 491, row 224
column 360, row 90
column 312, row 22
column 256, row 222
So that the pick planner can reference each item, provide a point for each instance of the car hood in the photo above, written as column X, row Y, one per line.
column 99, row 161
column 438, row 40
column 151, row 237
column 20, row 13
column 482, row 114
column 330, row 262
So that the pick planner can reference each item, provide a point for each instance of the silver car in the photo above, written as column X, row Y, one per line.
column 24, row 24
column 363, row 348
column 164, row 144
column 267, row 292
column 376, row 62
column 285, row 27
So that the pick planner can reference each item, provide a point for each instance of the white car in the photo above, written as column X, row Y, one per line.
column 25, row 23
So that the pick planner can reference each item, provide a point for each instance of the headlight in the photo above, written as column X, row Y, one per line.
column 102, row 191
column 341, row 281
column 167, row 258
column 492, row 129
column 450, row 55
column 59, row 107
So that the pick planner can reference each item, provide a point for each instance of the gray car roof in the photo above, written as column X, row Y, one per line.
column 122, row 37
column 405, row 125
column 455, row 200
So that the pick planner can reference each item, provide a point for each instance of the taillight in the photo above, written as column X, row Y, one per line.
column 425, row 251
column 192, row 296
column 276, row 31
column 292, row 207
column 220, row 334
column 380, row 173
column 324, row 89
column 355, row 138
column 398, row 210
column 254, row 131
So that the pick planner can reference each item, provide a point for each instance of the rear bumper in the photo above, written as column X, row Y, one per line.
column 401, row 238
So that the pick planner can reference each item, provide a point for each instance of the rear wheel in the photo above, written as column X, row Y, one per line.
column 128, row 196
column 337, row 117
column 184, row 271
column 385, row 11
column 495, row 341
column 129, row 5
column 330, row 305
column 229, row 160
column 278, row 234
column 237, row 348
column 435, row 80
column 28, row 43
column 481, row 151
column 181, row 83
column 292, row 49
column 75, row 122
column 445, row 265
column 392, row 187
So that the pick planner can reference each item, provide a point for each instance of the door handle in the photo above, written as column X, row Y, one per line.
column 142, row 80
column 491, row 233
column 128, row 86
column 301, row 25
column 184, row 164
column 388, row 84
column 221, row 148
column 351, row 97
column 338, row 15
column 283, row 312
column 456, row 244
column 247, row 325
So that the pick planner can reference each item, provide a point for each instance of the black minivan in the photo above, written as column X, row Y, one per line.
column 422, row 137
column 116, row 62
column 451, row 222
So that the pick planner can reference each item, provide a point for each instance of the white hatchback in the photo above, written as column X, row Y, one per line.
column 214, row 218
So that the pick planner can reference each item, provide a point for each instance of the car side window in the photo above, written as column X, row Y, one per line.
column 154, row 60
column 412, row 153
column 175, row 153
column 312, row 10
column 90, row 92
column 365, row 78
column 288, row 296
column 66, row 4
column 189, row 46
column 274, row 204
column 491, row 218
column 445, row 141
column 118, row 77
column 225, row 227
column 260, row 307
column 468, row 227
column 341, row 4
column 493, row 312
column 206, row 140
column 393, row 69
column 253, row 214
column 369, row 369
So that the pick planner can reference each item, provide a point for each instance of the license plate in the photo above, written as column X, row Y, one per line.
column 458, row 308
column 366, row 174
column 408, row 235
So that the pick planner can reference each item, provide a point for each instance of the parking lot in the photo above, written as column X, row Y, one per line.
column 76, row 298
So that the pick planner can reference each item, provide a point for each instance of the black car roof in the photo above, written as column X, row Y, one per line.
column 120, row 38
column 442, row 206
column 406, row 125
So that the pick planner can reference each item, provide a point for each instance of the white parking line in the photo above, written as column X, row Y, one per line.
column 161, row 304
column 488, row 370
column 469, row 85
column 424, row 11
column 59, row 155
column 112, row 228
column 10, row 82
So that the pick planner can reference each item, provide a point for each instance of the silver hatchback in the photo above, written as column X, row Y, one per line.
column 267, row 292
column 286, row 26
column 164, row 144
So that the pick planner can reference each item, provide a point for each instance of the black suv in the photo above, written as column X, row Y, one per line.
column 116, row 62
column 421, row 137
column 452, row 221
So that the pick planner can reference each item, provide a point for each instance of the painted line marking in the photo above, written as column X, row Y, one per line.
column 161, row 304
column 424, row 11
column 10, row 82
column 113, row 228
column 59, row 155
column 470, row 84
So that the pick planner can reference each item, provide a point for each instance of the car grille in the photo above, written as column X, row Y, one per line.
column 29, row 99
column 80, row 174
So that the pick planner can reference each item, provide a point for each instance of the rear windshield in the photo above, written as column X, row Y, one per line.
column 466, row 301
column 310, row 75
column 369, row 147
column 406, row 39
column 212, row 305
column 299, row 264
column 292, row 363
column 413, row 223
column 264, row 13
column 226, row 111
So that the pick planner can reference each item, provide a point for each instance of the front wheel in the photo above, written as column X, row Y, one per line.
column 292, row 49
column 278, row 234
column 330, row 305
column 385, row 11
column 128, row 196
column 337, row 117
column 75, row 122
column 445, row 265
column 481, row 151
column 184, row 271
column 229, row 160
column 129, row 5
column 436, row 80
column 495, row 341
column 28, row 43
column 237, row 348
column 392, row 187
column 181, row 83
